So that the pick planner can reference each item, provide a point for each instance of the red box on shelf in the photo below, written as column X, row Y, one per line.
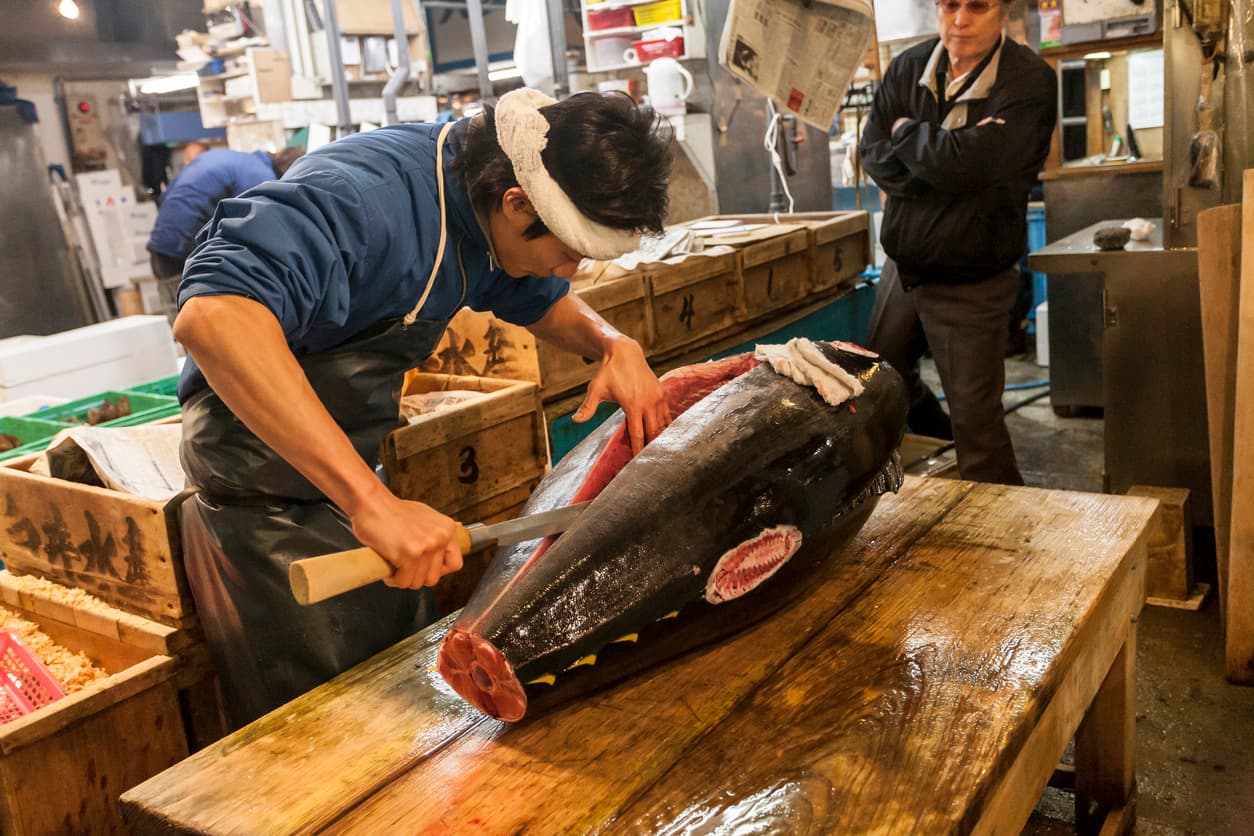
column 610, row 19
column 648, row 50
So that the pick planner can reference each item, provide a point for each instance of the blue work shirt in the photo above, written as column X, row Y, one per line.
column 347, row 239
column 189, row 201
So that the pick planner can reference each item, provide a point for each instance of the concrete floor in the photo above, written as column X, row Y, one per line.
column 1194, row 731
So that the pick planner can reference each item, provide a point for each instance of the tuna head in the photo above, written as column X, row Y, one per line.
column 717, row 522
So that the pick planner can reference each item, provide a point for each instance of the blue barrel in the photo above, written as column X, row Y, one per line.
column 1036, row 241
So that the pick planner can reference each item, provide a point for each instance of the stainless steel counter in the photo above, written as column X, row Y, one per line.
column 1151, row 370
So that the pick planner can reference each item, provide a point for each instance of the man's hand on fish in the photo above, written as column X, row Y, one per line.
column 626, row 379
column 415, row 538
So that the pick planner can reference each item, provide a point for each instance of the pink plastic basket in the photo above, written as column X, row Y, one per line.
column 25, row 683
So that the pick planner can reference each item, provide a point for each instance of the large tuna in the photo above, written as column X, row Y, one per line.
column 716, row 523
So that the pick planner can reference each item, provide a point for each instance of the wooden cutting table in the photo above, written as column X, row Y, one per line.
column 930, row 683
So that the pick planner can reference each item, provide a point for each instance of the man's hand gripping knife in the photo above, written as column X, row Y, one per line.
column 240, row 347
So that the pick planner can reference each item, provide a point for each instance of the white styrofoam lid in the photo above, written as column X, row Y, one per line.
column 26, row 360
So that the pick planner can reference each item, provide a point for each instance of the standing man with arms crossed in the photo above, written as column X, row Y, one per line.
column 958, row 131
column 308, row 298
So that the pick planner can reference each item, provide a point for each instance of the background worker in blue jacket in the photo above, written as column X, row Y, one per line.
column 957, row 134
column 187, row 204
column 304, row 304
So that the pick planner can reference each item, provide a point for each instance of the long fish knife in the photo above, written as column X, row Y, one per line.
column 315, row 579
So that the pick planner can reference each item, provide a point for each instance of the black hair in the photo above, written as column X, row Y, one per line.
column 282, row 160
column 609, row 156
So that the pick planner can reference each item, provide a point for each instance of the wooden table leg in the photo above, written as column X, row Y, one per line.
column 1105, row 749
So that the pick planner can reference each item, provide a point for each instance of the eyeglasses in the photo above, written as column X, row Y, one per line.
column 975, row 7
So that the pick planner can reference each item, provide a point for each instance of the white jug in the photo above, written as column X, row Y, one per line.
column 669, row 85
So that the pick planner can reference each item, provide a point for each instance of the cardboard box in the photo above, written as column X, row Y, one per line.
column 270, row 71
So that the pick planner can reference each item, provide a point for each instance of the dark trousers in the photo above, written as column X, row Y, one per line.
column 966, row 326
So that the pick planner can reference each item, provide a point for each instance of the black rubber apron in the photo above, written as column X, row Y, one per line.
column 255, row 514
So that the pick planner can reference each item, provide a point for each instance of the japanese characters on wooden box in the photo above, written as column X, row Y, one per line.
column 123, row 549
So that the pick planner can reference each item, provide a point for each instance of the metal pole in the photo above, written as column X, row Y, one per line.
column 479, row 40
column 401, row 76
column 557, row 45
column 338, row 83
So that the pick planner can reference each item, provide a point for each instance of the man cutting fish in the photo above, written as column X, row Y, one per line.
column 308, row 298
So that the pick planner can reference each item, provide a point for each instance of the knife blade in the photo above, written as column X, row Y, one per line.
column 315, row 579
column 521, row 529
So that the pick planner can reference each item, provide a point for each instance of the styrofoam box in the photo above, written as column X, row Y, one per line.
column 81, row 362
column 29, row 404
column 1042, row 334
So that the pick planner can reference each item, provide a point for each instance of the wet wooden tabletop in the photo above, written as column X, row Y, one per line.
column 924, row 685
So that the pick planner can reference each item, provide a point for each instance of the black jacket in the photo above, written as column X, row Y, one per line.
column 957, row 195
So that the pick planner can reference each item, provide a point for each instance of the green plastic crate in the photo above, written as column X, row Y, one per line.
column 144, row 408
column 168, row 386
column 32, row 432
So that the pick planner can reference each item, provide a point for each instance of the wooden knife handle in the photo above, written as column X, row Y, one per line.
column 315, row 579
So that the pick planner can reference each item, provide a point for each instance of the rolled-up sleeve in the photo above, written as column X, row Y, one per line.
column 292, row 246
column 518, row 301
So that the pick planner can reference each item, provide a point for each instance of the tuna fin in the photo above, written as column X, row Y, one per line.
column 888, row 480
column 590, row 659
column 671, row 614
column 630, row 637
column 547, row 679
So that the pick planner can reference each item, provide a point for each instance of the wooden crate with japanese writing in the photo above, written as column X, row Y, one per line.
column 774, row 264
column 63, row 765
column 123, row 549
column 840, row 245
column 623, row 302
column 463, row 454
column 692, row 299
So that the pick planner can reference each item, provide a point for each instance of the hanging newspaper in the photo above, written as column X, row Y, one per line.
column 801, row 53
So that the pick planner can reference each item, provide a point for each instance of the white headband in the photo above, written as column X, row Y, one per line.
column 522, row 132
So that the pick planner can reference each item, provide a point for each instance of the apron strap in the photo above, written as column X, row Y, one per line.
column 439, row 254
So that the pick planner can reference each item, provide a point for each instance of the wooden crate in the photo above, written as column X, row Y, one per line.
column 452, row 592
column 691, row 299
column 63, row 766
column 463, row 456
column 774, row 270
column 840, row 245
column 199, row 695
column 123, row 549
column 477, row 344
column 842, row 249
column 623, row 303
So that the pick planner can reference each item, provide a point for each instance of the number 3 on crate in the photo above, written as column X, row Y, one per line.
column 469, row 473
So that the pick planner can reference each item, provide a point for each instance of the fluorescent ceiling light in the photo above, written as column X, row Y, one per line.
column 504, row 73
column 167, row 83
column 68, row 9
column 1097, row 56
